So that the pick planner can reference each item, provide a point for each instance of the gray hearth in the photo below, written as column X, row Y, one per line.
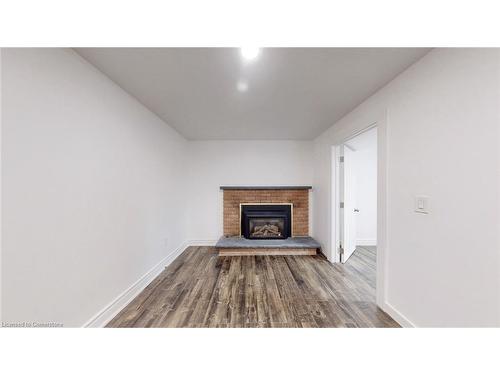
column 289, row 243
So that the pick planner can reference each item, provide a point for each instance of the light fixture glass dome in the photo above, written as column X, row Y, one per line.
column 242, row 86
column 250, row 53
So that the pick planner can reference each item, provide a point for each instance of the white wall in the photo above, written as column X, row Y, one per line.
column 365, row 164
column 92, row 186
column 443, row 140
column 216, row 163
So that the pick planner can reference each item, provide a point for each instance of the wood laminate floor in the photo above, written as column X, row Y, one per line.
column 201, row 289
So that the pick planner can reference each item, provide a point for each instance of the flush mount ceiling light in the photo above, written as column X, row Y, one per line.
column 242, row 86
column 250, row 53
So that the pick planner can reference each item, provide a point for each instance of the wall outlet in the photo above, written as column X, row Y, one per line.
column 422, row 204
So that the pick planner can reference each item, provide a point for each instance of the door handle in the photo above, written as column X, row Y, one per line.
column 356, row 210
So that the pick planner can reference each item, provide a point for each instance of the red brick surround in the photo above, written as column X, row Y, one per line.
column 299, row 199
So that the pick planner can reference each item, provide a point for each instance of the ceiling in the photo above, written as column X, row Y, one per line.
column 292, row 93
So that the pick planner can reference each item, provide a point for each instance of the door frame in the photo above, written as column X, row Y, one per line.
column 382, row 245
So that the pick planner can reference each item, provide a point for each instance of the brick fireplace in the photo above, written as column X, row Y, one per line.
column 272, row 220
column 297, row 197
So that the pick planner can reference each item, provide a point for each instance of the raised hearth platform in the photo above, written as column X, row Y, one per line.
column 237, row 246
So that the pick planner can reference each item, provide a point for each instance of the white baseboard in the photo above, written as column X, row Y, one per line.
column 119, row 303
column 402, row 320
column 366, row 242
column 201, row 242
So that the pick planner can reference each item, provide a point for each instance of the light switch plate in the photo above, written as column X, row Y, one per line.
column 422, row 204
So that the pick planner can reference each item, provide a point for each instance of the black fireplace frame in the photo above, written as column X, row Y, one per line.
column 257, row 211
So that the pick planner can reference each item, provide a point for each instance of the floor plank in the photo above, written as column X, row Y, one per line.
column 201, row 289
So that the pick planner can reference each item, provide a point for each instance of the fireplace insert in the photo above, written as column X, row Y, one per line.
column 266, row 221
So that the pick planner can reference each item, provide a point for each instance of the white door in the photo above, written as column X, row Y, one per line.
column 349, row 212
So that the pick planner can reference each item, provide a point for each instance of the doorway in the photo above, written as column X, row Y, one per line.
column 382, row 250
column 357, row 194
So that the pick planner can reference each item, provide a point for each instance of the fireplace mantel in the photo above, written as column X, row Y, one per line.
column 266, row 187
